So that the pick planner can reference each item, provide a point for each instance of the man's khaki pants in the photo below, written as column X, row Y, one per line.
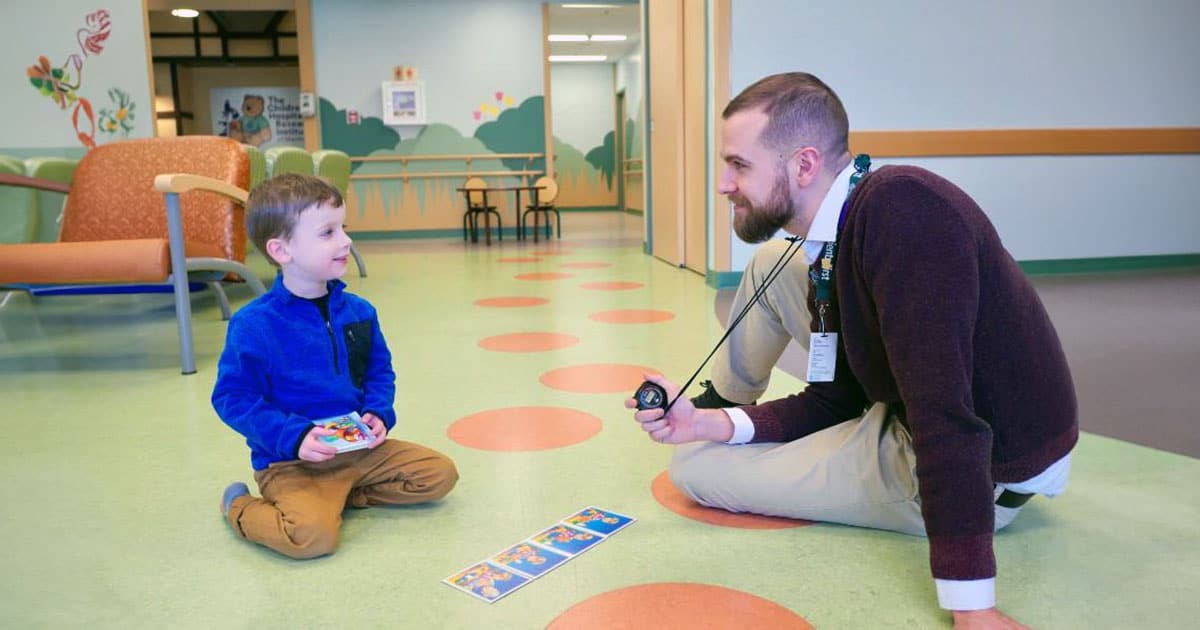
column 300, row 512
column 860, row 472
column 742, row 366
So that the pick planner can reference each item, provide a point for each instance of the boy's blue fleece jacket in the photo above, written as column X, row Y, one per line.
column 283, row 367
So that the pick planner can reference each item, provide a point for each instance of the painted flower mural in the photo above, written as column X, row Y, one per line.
column 62, row 84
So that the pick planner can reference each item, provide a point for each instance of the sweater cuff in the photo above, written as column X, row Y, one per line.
column 966, row 594
column 965, row 558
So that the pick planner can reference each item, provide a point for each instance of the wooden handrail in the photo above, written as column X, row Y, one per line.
column 442, row 174
column 446, row 157
column 1003, row 142
column 10, row 179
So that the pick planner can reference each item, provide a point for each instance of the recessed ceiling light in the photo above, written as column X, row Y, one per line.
column 567, row 38
column 185, row 13
column 561, row 58
column 608, row 38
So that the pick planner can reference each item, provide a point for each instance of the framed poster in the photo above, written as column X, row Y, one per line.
column 261, row 116
column 403, row 103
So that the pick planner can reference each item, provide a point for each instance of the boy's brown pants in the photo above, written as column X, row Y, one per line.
column 300, row 512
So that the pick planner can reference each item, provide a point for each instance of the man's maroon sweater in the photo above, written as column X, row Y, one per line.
column 935, row 318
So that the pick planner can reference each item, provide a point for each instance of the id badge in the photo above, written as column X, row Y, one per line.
column 822, row 357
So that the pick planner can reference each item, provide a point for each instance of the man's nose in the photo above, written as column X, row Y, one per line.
column 726, row 185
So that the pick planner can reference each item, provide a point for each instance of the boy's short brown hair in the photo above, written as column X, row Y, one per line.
column 275, row 205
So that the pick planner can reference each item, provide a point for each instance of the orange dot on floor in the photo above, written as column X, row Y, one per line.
column 611, row 286
column 631, row 316
column 561, row 252
column 519, row 259
column 597, row 378
column 585, row 265
column 528, row 342
column 673, row 499
column 524, row 428
column 677, row 605
column 511, row 301
column 543, row 275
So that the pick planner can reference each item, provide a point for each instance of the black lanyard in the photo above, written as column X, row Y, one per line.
column 824, row 278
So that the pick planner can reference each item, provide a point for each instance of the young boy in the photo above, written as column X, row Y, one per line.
column 308, row 350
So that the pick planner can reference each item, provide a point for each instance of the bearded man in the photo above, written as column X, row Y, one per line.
column 939, row 399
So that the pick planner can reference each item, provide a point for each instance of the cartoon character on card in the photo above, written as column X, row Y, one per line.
column 594, row 515
column 563, row 534
column 523, row 553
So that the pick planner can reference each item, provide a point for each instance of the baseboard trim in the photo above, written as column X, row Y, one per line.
column 588, row 208
column 1110, row 264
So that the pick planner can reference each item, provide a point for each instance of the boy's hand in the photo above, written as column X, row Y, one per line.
column 378, row 428
column 312, row 449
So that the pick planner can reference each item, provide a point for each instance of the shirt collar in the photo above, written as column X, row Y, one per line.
column 825, row 224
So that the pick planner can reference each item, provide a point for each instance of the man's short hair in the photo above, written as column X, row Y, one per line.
column 275, row 205
column 801, row 111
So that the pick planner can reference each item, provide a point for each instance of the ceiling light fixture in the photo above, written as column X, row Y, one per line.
column 567, row 38
column 576, row 58
column 185, row 13
column 609, row 38
column 588, row 6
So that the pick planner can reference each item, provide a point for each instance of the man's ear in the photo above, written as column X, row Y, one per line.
column 806, row 165
column 277, row 249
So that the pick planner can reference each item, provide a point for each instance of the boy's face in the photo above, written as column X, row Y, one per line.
column 318, row 248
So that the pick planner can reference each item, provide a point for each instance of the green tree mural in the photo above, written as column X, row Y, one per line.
column 517, row 130
column 603, row 157
column 355, row 140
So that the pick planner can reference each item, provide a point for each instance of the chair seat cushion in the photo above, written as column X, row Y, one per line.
column 135, row 260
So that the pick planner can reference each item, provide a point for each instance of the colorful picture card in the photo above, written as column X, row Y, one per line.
column 598, row 520
column 487, row 581
column 528, row 560
column 567, row 539
column 350, row 432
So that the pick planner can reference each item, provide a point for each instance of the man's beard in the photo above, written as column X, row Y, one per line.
column 759, row 223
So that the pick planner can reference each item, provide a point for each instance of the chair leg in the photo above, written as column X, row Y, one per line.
column 558, row 222
column 499, row 226
column 183, row 300
column 362, row 266
column 222, row 299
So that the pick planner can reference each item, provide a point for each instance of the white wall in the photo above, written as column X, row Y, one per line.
column 29, row 120
column 939, row 64
column 464, row 50
column 582, row 103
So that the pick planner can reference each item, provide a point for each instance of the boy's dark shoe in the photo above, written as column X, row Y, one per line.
column 233, row 491
column 710, row 399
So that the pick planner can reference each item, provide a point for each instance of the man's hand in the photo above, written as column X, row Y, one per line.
column 378, row 429
column 684, row 423
column 986, row 619
column 312, row 449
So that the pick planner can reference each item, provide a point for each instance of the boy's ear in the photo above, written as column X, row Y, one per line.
column 277, row 249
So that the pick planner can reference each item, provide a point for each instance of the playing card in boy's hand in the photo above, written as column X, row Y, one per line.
column 350, row 432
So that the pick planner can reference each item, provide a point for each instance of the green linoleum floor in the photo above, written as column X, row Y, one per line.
column 114, row 463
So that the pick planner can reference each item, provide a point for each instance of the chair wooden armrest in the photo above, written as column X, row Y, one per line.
column 183, row 182
column 8, row 179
